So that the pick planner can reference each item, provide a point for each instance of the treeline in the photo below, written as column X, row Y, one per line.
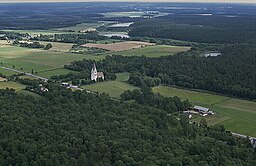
column 79, row 128
column 11, row 35
column 233, row 73
column 203, row 29
column 32, row 45
column 72, row 38
column 145, row 96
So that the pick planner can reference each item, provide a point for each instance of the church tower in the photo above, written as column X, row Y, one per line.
column 94, row 73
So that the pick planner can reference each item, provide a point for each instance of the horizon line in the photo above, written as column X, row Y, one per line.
column 125, row 1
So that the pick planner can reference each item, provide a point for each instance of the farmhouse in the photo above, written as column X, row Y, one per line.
column 212, row 54
column 43, row 89
column 95, row 74
column 203, row 110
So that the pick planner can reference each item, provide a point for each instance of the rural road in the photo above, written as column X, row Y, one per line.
column 28, row 74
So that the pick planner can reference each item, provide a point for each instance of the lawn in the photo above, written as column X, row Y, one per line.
column 113, row 88
column 235, row 114
column 154, row 51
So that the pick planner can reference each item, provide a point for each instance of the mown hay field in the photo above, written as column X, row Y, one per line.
column 120, row 46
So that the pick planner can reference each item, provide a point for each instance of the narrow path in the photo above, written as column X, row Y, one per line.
column 28, row 74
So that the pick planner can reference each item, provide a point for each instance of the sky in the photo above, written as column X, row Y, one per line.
column 217, row 1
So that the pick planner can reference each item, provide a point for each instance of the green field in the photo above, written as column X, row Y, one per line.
column 235, row 114
column 7, row 72
column 83, row 27
column 38, row 60
column 12, row 85
column 199, row 98
column 154, row 51
column 113, row 88
column 55, row 72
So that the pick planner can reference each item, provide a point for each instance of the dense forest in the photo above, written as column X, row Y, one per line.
column 79, row 128
column 198, row 28
column 232, row 73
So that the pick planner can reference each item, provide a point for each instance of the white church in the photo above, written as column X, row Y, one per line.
column 95, row 75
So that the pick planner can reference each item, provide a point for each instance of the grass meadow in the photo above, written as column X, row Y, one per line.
column 12, row 85
column 113, row 88
column 235, row 114
column 154, row 51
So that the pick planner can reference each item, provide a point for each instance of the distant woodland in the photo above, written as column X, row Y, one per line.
column 196, row 28
column 233, row 73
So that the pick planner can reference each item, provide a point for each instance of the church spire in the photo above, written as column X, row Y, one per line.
column 94, row 67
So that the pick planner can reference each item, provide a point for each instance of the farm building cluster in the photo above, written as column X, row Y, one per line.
column 203, row 111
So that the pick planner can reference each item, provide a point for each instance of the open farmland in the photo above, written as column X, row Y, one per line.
column 113, row 88
column 7, row 72
column 25, row 59
column 121, row 46
column 54, row 72
column 60, row 47
column 83, row 27
column 154, row 51
column 235, row 114
column 199, row 98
